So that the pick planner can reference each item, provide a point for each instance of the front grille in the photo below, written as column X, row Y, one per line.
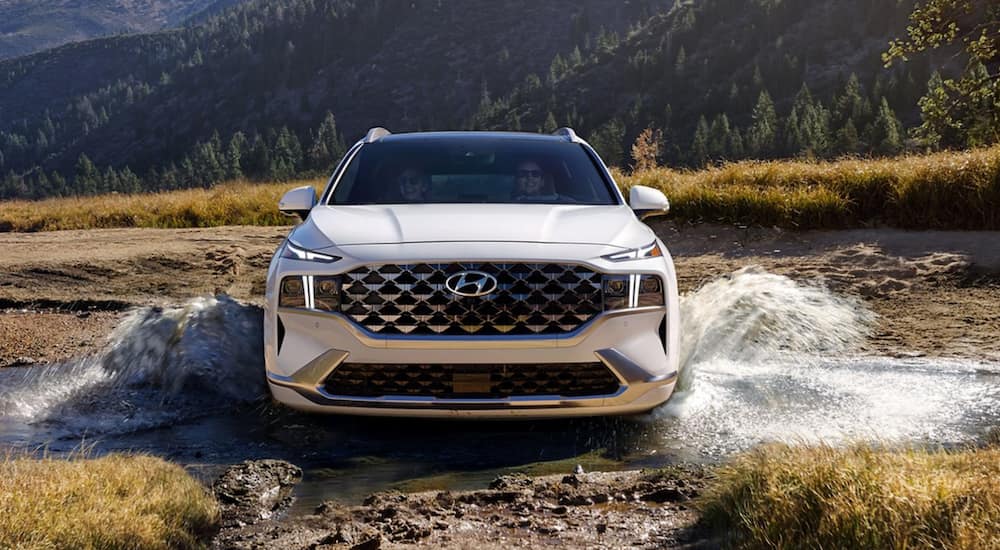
column 472, row 381
column 531, row 298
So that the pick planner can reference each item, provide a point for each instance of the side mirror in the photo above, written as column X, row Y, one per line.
column 298, row 201
column 647, row 202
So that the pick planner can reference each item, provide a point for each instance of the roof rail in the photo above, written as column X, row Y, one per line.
column 568, row 134
column 376, row 134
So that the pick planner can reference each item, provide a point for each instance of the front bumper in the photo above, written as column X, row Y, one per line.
column 627, row 342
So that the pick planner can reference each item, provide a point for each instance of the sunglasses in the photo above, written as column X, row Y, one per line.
column 529, row 173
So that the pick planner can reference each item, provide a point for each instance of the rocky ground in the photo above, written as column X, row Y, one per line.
column 579, row 510
column 61, row 293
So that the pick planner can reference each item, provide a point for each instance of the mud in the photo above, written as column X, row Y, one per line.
column 647, row 509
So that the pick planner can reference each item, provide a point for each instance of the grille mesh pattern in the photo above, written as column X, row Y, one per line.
column 531, row 298
column 472, row 381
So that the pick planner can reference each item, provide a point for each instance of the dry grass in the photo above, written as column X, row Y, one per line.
column 114, row 502
column 820, row 497
column 235, row 203
column 939, row 191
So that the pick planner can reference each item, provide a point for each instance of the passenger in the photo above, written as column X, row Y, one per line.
column 531, row 183
column 414, row 185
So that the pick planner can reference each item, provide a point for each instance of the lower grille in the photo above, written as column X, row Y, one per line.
column 472, row 381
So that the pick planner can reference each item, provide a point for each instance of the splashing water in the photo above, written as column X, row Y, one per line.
column 162, row 365
column 765, row 358
column 752, row 316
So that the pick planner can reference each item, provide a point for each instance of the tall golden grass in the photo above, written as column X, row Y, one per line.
column 233, row 203
column 952, row 190
column 820, row 497
column 113, row 502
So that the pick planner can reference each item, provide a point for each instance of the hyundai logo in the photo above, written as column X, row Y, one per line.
column 471, row 283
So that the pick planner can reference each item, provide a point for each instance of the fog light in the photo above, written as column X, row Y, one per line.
column 292, row 292
column 326, row 293
column 650, row 291
column 615, row 292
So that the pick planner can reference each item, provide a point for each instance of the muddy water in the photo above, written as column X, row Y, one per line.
column 765, row 359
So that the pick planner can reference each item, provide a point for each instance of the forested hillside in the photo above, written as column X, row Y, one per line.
column 733, row 79
column 27, row 26
column 272, row 90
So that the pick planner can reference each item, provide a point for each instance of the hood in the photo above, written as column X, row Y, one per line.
column 334, row 226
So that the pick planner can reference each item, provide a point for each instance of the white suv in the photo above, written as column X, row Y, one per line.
column 472, row 274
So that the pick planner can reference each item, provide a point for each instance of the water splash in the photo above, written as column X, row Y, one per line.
column 752, row 315
column 161, row 365
column 766, row 358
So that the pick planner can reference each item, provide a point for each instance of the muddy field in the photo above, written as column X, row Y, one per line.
column 935, row 295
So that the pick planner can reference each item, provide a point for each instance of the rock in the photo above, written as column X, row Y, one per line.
column 571, row 480
column 578, row 470
column 255, row 490
column 511, row 482
column 666, row 494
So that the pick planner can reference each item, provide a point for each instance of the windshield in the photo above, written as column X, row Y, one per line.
column 480, row 170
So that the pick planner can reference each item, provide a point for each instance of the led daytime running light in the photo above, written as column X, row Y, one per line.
column 296, row 253
column 652, row 250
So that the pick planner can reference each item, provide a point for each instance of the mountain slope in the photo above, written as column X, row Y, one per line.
column 27, row 26
column 140, row 100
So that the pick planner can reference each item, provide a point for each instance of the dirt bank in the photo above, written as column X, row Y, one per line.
column 936, row 292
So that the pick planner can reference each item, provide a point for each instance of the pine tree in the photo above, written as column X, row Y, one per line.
column 735, row 148
column 86, row 178
column 557, row 68
column 886, row 136
column 848, row 141
column 851, row 105
column 763, row 133
column 815, row 130
column 259, row 163
column 128, row 181
column 328, row 146
column 699, row 144
column 791, row 135
column 234, row 156
column 575, row 58
column 718, row 137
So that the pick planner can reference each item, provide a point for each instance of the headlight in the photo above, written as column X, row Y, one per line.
column 616, row 292
column 320, row 292
column 326, row 293
column 651, row 250
column 296, row 253
column 650, row 291
column 628, row 291
column 292, row 292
